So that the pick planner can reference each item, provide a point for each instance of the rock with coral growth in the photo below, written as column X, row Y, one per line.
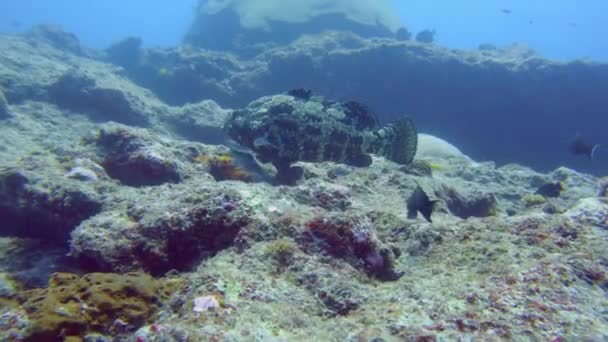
column 202, row 121
column 80, row 92
column 56, row 37
column 162, row 228
column 351, row 238
column 72, row 306
column 136, row 157
column 590, row 211
column 35, row 203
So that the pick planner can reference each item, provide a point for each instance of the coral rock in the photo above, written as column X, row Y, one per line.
column 352, row 238
column 80, row 92
column 160, row 233
column 31, row 208
column 98, row 302
column 134, row 157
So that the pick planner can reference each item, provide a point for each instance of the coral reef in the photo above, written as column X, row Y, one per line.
column 73, row 306
column 333, row 257
column 242, row 26
column 78, row 92
column 415, row 71
column 134, row 157
column 31, row 208
column 352, row 238
column 160, row 233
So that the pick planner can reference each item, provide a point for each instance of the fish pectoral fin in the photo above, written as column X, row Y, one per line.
column 361, row 160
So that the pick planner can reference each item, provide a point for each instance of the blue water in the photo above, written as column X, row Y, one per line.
column 564, row 29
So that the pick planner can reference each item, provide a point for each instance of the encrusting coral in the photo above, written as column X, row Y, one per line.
column 72, row 306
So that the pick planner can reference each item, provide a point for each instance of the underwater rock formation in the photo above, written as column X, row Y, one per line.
column 425, row 36
column 396, row 77
column 39, row 204
column 165, row 228
column 333, row 257
column 351, row 238
column 56, row 37
column 136, row 158
column 127, row 53
column 78, row 92
column 239, row 25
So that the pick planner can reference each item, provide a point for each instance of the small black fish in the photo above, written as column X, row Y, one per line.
column 300, row 93
column 419, row 201
column 506, row 11
column 580, row 147
column 552, row 189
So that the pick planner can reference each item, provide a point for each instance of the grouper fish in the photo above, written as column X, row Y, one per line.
column 286, row 128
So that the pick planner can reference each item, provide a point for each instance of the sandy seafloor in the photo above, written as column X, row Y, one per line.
column 94, row 177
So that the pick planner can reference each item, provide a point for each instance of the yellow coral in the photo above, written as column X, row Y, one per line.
column 435, row 166
column 74, row 306
column 531, row 200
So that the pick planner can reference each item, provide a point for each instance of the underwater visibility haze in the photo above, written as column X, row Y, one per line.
column 320, row 170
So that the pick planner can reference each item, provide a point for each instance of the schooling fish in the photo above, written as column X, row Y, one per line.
column 580, row 147
column 283, row 129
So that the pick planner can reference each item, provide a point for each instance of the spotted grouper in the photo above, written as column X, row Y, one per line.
column 283, row 129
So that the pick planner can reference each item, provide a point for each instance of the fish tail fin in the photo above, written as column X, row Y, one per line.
column 595, row 147
column 398, row 141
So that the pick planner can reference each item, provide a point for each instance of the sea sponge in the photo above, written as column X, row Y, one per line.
column 73, row 306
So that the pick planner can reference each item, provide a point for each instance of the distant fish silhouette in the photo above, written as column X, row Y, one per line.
column 551, row 189
column 506, row 11
column 580, row 147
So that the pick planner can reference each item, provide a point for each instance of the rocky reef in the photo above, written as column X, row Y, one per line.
column 493, row 102
column 101, row 181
